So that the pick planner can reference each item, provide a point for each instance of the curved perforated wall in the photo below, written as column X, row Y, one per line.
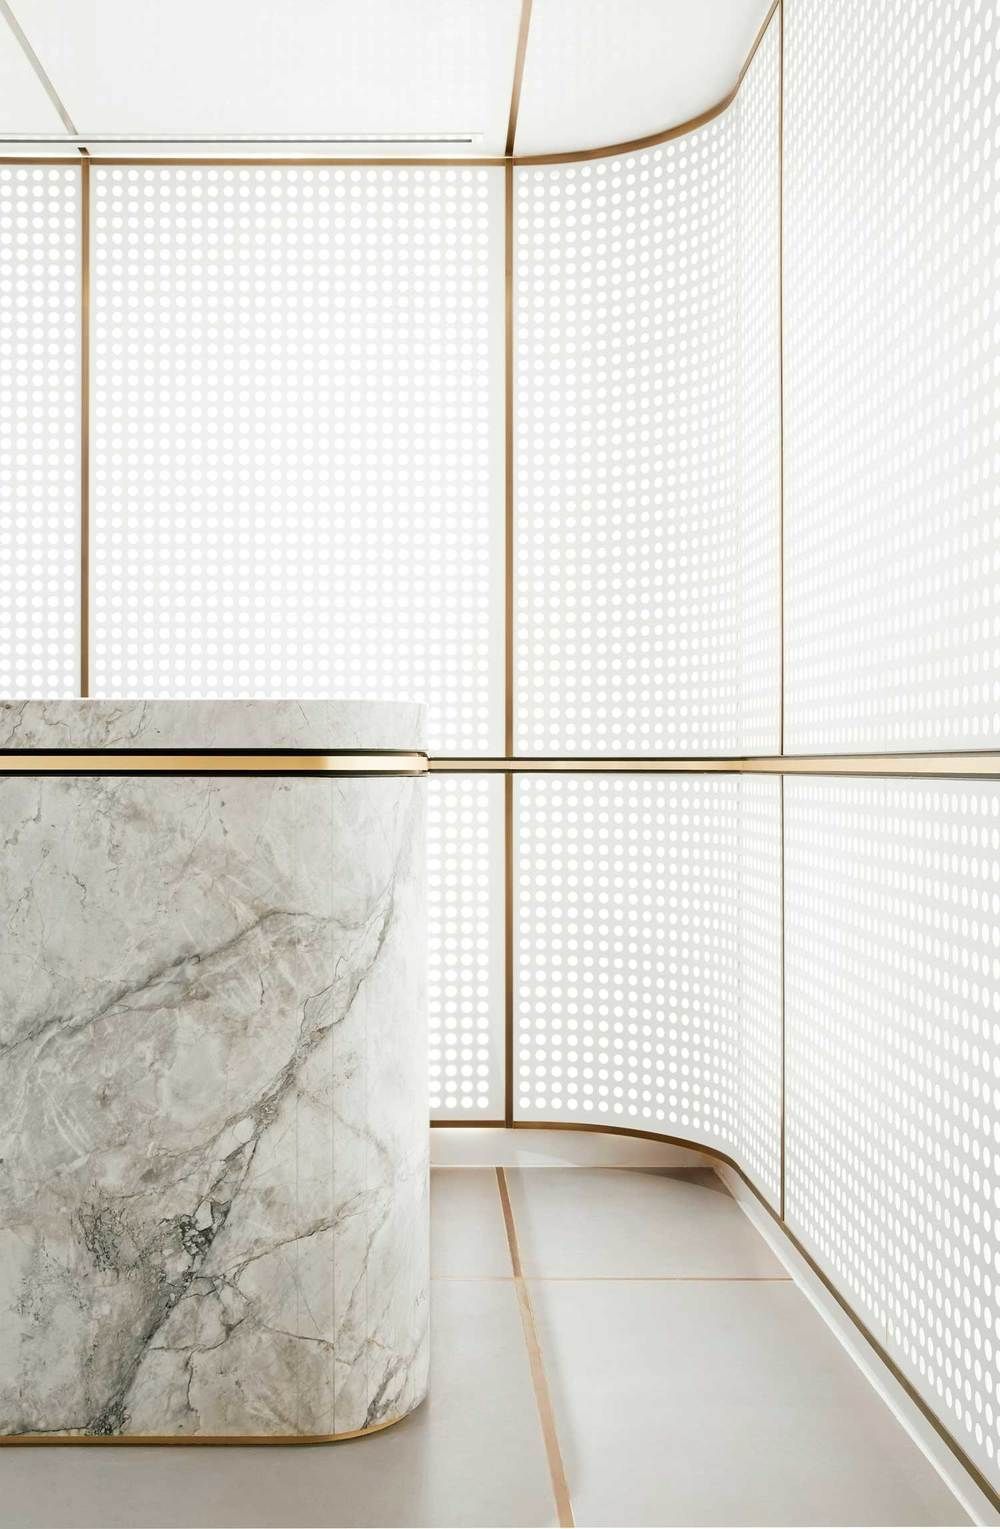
column 465, row 951
column 647, row 330
column 892, row 1025
column 892, row 349
column 297, row 388
column 40, row 323
column 648, row 954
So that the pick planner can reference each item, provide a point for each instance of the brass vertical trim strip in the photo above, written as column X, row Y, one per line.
column 508, row 822
column 543, row 1399
column 781, row 377
column 38, row 68
column 781, row 979
column 519, row 57
column 85, row 428
column 508, row 949
column 508, row 411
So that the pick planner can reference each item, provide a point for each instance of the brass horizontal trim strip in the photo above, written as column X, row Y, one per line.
column 183, row 1440
column 259, row 162
column 967, row 1464
column 204, row 762
column 918, row 765
column 466, row 1124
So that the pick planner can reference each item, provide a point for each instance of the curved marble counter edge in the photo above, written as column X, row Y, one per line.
column 200, row 1441
column 261, row 938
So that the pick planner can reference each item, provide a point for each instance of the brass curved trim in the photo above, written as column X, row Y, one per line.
column 182, row 1441
column 205, row 762
column 650, row 140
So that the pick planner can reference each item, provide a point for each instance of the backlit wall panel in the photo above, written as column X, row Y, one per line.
column 892, row 375
column 758, row 195
column 646, row 386
column 892, row 1028
column 40, row 246
column 648, row 957
column 298, row 437
column 465, row 856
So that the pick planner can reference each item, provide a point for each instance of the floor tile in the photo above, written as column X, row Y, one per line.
column 658, row 1223
column 468, row 1239
column 485, row 1145
column 725, row 1403
column 472, row 1455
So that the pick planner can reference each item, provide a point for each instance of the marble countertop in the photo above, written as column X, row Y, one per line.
column 136, row 724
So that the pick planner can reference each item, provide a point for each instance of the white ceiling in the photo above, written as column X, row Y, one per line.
column 596, row 71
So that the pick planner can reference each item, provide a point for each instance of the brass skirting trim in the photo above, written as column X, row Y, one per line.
column 205, row 762
column 182, row 1441
column 982, row 765
column 968, row 1465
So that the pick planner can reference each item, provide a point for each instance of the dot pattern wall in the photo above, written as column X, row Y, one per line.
column 647, row 960
column 39, row 430
column 892, row 1028
column 465, row 955
column 758, row 202
column 646, row 452
column 892, row 355
column 298, row 437
column 757, row 1140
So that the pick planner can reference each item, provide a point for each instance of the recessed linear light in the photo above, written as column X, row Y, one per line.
column 320, row 139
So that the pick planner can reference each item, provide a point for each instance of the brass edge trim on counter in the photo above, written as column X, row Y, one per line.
column 984, row 765
column 205, row 762
column 87, row 1440
column 718, row 1155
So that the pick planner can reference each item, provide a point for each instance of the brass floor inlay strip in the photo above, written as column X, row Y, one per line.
column 557, row 1470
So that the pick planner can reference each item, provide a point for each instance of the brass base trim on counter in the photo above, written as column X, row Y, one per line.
column 157, row 1440
column 206, row 762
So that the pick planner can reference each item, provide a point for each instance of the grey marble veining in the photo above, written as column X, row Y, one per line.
column 213, row 1147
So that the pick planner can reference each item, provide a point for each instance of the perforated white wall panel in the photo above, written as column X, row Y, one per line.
column 298, row 437
column 39, row 430
column 646, row 449
column 892, row 1027
column 892, row 361
column 759, row 401
column 647, row 959
column 757, row 1142
column 465, row 955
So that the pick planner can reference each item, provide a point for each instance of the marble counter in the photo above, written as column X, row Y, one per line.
column 213, row 1212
